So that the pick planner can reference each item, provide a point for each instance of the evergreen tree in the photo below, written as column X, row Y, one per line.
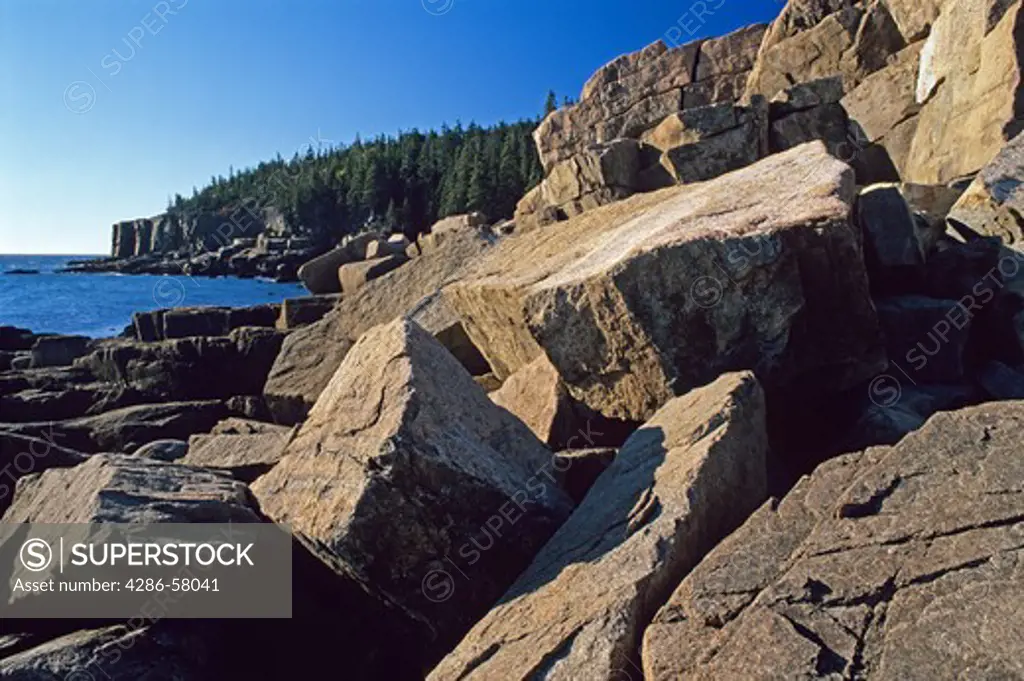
column 551, row 104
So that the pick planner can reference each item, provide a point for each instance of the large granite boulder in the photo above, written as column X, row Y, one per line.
column 310, row 355
column 123, row 489
column 814, row 39
column 320, row 275
column 598, row 175
column 969, row 88
column 704, row 142
column 354, row 275
column 22, row 455
column 994, row 203
column 404, row 465
column 635, row 92
column 811, row 111
column 127, row 429
column 641, row 300
column 898, row 563
column 537, row 396
column 682, row 482
column 883, row 110
column 245, row 455
column 334, row 616
column 194, row 368
column 58, row 351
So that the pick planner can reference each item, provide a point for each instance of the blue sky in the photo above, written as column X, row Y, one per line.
column 109, row 107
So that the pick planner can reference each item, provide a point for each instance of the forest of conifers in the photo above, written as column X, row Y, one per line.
column 402, row 183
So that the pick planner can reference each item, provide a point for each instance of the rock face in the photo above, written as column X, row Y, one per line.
column 970, row 73
column 22, row 455
column 320, row 275
column 636, row 302
column 127, row 429
column 536, row 395
column 310, row 356
column 898, row 563
column 402, row 464
column 354, row 275
column 245, row 455
column 908, row 69
column 679, row 485
column 994, row 203
column 107, row 489
column 600, row 174
column 635, row 92
column 883, row 108
column 122, row 489
column 702, row 143
column 192, row 368
column 58, row 351
column 814, row 39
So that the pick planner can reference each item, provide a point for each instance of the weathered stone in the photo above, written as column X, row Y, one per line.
column 814, row 39
column 884, row 101
column 396, row 244
column 354, row 275
column 601, row 174
column 121, row 489
column 118, row 653
column 58, row 351
column 536, row 395
column 163, row 450
column 310, row 355
column 403, row 438
column 635, row 92
column 32, row 452
column 714, row 140
column 643, row 299
column 148, row 326
column 792, row 126
column 128, row 490
column 320, row 275
column 893, row 252
column 245, row 456
column 926, row 337
column 969, row 85
column 994, row 203
column 678, row 486
column 908, row 565
column 65, row 402
column 914, row 17
column 127, row 429
column 190, row 368
column 196, row 321
column 296, row 312
column 684, row 632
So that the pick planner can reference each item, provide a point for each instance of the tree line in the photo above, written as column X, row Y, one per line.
column 391, row 183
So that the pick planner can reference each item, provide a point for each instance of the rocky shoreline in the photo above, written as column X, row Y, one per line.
column 738, row 395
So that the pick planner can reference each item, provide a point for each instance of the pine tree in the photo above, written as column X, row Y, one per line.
column 551, row 105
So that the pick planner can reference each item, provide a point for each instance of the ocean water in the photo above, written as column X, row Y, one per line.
column 100, row 305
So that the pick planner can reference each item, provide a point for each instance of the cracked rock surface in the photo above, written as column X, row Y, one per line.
column 897, row 563
column 408, row 473
column 679, row 484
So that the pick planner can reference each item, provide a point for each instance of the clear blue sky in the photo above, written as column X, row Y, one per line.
column 108, row 107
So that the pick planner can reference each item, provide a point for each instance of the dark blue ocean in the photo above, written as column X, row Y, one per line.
column 101, row 305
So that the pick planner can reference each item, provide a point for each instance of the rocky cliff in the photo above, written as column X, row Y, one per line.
column 720, row 405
